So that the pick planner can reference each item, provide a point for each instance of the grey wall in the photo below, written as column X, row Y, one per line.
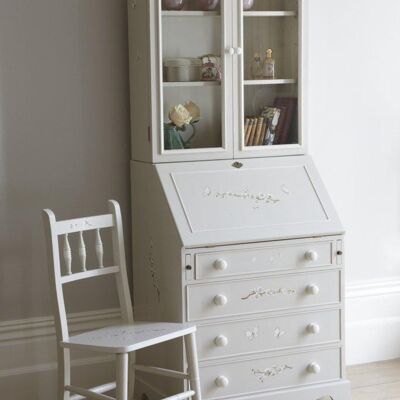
column 64, row 134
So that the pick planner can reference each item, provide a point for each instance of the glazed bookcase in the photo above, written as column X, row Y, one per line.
column 234, row 35
column 242, row 241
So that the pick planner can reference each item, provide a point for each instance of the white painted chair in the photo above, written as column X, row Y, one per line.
column 122, row 340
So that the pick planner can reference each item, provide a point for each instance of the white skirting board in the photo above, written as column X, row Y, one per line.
column 28, row 356
column 372, row 321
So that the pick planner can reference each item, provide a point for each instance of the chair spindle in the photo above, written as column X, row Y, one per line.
column 82, row 252
column 67, row 255
column 99, row 249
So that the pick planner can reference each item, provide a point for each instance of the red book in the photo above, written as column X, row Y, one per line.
column 290, row 104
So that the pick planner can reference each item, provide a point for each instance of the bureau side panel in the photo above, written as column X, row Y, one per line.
column 156, row 275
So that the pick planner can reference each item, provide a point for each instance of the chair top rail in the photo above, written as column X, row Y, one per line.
column 91, row 273
column 84, row 224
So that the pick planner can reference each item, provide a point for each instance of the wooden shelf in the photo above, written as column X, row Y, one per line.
column 260, row 82
column 191, row 84
column 269, row 13
column 190, row 13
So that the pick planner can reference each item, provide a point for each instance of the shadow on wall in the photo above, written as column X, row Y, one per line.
column 64, row 136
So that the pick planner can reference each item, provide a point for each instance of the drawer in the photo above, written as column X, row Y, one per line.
column 266, row 334
column 220, row 299
column 263, row 374
column 264, row 259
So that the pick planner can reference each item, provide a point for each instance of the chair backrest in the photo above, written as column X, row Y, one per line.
column 54, row 229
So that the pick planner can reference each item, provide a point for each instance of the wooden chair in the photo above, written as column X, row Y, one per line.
column 122, row 340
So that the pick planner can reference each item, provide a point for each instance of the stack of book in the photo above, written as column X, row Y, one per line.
column 273, row 124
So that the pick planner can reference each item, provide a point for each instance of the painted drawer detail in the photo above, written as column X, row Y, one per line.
column 267, row 334
column 263, row 374
column 265, row 259
column 221, row 299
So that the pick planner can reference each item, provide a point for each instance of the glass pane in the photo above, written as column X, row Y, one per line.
column 270, row 35
column 192, row 74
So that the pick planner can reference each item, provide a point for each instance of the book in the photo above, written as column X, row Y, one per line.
column 263, row 132
column 272, row 114
column 290, row 103
column 257, row 135
column 246, row 130
column 253, row 131
column 249, row 130
column 281, row 124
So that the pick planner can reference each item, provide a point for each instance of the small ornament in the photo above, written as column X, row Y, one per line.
column 269, row 66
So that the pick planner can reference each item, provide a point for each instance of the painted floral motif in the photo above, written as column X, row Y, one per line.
column 278, row 333
column 251, row 334
column 263, row 374
column 261, row 292
column 151, row 261
column 257, row 198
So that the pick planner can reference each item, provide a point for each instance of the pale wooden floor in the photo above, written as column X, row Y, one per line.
column 378, row 381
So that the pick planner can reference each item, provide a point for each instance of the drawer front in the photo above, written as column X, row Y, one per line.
column 265, row 259
column 265, row 334
column 262, row 374
column 220, row 299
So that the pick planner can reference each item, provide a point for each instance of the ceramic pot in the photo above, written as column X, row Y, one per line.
column 173, row 4
column 207, row 5
column 248, row 4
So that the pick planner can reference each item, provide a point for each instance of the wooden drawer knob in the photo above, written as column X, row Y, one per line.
column 311, row 255
column 221, row 341
column 314, row 368
column 313, row 328
column 312, row 289
column 220, row 264
column 222, row 381
column 220, row 300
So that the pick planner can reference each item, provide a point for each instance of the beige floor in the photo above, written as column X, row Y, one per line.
column 378, row 381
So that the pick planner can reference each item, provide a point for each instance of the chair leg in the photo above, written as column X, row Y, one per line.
column 122, row 370
column 132, row 375
column 193, row 365
column 64, row 372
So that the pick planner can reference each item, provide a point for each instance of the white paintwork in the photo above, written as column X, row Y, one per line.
column 221, row 33
column 128, row 338
column 246, row 296
column 229, row 204
column 272, row 257
column 251, row 250
column 122, row 340
column 265, row 333
column 263, row 373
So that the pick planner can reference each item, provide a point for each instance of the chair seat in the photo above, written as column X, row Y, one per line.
column 127, row 338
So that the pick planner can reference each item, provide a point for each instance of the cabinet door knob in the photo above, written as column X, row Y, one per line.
column 311, row 255
column 239, row 50
column 220, row 264
column 313, row 329
column 222, row 381
column 230, row 51
column 220, row 300
column 221, row 341
column 314, row 368
column 312, row 289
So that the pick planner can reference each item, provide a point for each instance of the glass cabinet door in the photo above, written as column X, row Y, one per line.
column 195, row 74
column 269, row 78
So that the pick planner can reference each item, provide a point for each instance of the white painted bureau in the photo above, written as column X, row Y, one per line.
column 241, row 240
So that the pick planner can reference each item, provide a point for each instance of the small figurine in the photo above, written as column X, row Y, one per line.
column 256, row 67
column 269, row 66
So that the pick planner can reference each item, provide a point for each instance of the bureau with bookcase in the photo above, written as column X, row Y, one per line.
column 241, row 240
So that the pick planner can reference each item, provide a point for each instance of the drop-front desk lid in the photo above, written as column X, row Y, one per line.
column 221, row 202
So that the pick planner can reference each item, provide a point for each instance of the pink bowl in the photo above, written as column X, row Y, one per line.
column 207, row 5
column 173, row 4
column 248, row 4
